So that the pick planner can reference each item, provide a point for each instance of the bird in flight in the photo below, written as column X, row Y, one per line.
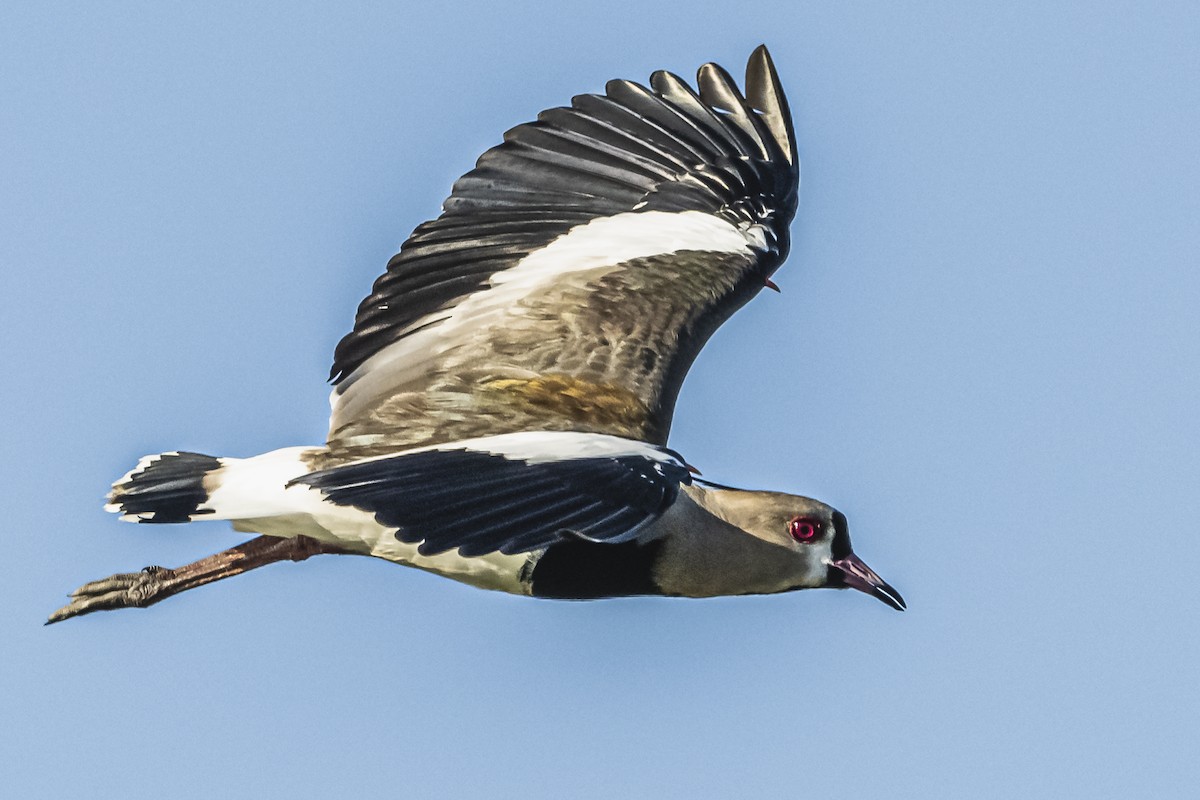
column 500, row 409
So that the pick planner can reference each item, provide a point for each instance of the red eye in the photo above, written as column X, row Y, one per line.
column 804, row 529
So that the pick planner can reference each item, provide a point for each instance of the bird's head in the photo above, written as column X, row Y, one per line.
column 815, row 535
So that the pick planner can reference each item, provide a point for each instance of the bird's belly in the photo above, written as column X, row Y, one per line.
column 359, row 532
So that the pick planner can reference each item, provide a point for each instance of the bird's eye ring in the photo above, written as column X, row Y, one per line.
column 804, row 529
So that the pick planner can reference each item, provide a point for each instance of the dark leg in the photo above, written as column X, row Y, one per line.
column 145, row 588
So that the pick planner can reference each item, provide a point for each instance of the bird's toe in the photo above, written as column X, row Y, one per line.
column 123, row 590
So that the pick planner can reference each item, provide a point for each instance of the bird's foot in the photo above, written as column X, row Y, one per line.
column 145, row 588
column 123, row 590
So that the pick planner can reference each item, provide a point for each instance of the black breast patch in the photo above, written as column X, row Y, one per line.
column 576, row 569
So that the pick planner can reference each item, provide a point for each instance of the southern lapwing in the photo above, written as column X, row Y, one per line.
column 501, row 407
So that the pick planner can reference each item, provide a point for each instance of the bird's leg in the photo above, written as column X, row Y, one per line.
column 152, row 584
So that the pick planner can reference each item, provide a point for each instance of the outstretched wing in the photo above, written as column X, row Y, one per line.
column 512, row 493
column 576, row 272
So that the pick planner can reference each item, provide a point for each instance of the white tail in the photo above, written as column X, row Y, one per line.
column 183, row 487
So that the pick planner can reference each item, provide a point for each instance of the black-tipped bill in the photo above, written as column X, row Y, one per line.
column 857, row 575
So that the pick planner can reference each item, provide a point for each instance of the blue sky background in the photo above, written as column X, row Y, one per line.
column 985, row 353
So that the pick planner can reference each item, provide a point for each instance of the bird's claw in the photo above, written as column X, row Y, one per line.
column 123, row 590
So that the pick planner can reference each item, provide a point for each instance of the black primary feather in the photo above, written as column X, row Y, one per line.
column 666, row 148
column 482, row 502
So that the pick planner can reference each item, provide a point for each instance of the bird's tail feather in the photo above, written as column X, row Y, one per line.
column 182, row 487
column 167, row 487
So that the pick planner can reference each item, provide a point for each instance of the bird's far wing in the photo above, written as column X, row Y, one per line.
column 575, row 273
column 512, row 493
